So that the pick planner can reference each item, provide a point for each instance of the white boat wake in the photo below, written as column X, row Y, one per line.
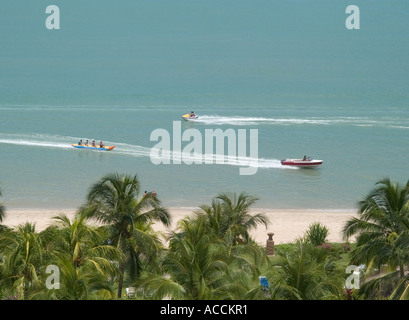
column 354, row 121
column 65, row 142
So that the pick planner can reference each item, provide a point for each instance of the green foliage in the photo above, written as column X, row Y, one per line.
column 229, row 217
column 304, row 273
column 382, row 236
column 317, row 234
column 209, row 255
column 114, row 201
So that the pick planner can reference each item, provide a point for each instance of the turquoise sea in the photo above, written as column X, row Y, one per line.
column 116, row 71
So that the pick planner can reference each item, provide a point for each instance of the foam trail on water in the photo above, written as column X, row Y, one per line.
column 65, row 142
column 132, row 150
column 34, row 143
column 236, row 120
column 353, row 121
column 189, row 158
column 38, row 140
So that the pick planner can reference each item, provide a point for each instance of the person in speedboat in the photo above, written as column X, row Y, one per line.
column 192, row 114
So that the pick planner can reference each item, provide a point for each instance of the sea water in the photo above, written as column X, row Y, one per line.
column 116, row 72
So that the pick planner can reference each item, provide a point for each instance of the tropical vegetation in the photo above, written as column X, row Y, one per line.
column 111, row 246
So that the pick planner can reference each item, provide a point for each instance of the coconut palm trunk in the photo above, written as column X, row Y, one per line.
column 121, row 279
column 2, row 211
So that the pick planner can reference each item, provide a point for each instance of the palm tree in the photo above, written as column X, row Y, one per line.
column 304, row 274
column 193, row 266
column 81, row 243
column 82, row 256
column 382, row 230
column 230, row 218
column 23, row 254
column 382, row 227
column 200, row 265
column 241, row 281
column 114, row 202
column 204, row 256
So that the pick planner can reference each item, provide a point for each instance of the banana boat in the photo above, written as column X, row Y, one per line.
column 87, row 146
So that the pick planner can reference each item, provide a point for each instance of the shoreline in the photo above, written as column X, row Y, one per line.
column 287, row 224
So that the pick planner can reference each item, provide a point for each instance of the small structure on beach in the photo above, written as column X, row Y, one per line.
column 270, row 244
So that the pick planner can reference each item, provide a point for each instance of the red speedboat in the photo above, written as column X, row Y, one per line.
column 302, row 163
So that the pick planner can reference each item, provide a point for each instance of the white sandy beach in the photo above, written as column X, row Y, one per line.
column 287, row 225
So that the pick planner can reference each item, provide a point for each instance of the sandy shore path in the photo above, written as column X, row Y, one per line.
column 287, row 225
